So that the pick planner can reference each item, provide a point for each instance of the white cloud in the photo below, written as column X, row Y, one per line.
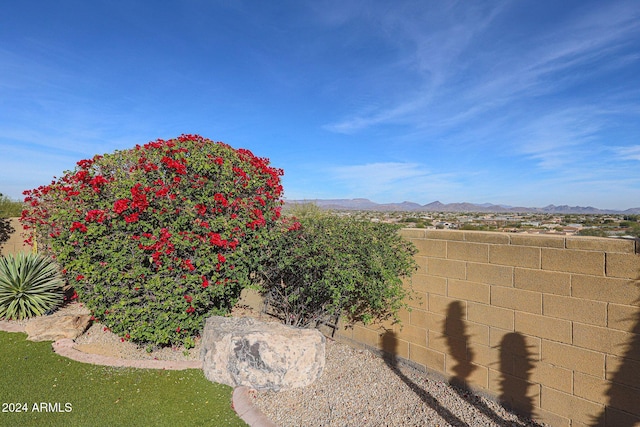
column 391, row 181
column 629, row 153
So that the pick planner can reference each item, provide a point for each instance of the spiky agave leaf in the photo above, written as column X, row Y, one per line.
column 30, row 285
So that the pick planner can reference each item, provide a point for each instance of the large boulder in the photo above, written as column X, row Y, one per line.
column 263, row 356
column 56, row 327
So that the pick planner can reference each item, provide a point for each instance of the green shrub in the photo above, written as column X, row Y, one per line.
column 30, row 285
column 326, row 265
column 156, row 238
column 8, row 209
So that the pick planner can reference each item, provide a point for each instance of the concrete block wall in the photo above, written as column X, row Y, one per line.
column 15, row 243
column 549, row 325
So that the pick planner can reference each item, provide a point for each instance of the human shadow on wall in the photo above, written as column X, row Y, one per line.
column 624, row 380
column 516, row 365
column 455, row 332
column 390, row 349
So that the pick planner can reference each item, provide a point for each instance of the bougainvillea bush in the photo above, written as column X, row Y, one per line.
column 158, row 237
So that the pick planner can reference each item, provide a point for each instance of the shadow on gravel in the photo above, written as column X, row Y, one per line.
column 390, row 348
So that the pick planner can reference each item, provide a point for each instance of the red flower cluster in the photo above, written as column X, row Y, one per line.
column 78, row 226
column 168, row 212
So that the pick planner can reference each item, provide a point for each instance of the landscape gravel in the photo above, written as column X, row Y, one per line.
column 357, row 388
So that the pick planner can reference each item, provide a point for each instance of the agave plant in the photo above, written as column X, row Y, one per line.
column 30, row 285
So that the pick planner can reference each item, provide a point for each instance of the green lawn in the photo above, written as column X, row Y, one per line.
column 60, row 392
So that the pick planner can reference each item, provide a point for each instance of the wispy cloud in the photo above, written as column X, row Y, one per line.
column 457, row 81
column 413, row 181
column 628, row 153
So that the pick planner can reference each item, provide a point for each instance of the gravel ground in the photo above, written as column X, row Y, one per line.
column 357, row 388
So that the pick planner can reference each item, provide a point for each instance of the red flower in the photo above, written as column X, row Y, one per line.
column 190, row 309
column 96, row 215
column 120, row 206
column 188, row 298
column 221, row 258
column 205, row 282
column 188, row 264
column 134, row 217
column 79, row 277
column 78, row 226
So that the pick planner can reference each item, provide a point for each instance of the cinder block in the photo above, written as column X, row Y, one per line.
column 478, row 375
column 609, row 341
column 440, row 305
column 492, row 316
column 514, row 391
column 434, row 322
column 467, row 251
column 549, row 282
column 517, row 299
column 404, row 315
column 616, row 418
column 471, row 291
column 440, row 342
column 425, row 283
column 573, row 261
column 538, row 241
column 431, row 247
column 573, row 358
column 418, row 318
column 619, row 291
column 624, row 266
column 417, row 301
column 591, row 388
column 516, row 256
column 601, row 244
column 445, row 234
column 551, row 376
column 623, row 371
column 576, row 309
column 412, row 233
column 413, row 335
column 421, row 262
column 555, row 420
column 473, row 332
column 623, row 317
column 402, row 349
column 618, row 396
column 487, row 237
column 543, row 327
column 531, row 349
column 574, row 407
column 426, row 357
column 447, row 268
column 366, row 336
column 485, row 355
column 499, row 275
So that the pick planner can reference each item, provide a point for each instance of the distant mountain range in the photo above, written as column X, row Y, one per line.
column 368, row 205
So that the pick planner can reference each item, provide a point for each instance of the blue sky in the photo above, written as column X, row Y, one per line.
column 524, row 103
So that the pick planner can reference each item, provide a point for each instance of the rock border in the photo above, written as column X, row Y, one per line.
column 242, row 402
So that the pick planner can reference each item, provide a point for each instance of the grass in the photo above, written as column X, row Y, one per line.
column 79, row 394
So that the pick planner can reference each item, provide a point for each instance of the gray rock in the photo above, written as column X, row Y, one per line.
column 263, row 356
column 56, row 327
